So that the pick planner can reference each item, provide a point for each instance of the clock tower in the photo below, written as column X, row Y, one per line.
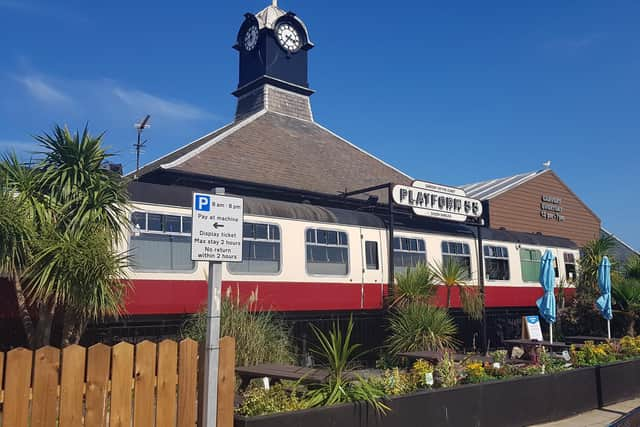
column 273, row 47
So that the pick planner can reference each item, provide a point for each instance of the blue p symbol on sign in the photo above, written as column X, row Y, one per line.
column 203, row 202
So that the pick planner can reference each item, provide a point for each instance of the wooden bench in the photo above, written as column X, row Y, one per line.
column 531, row 343
column 280, row 372
column 436, row 356
column 580, row 339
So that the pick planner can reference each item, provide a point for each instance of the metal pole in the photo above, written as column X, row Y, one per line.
column 391, row 226
column 483, row 327
column 212, row 349
column 138, row 153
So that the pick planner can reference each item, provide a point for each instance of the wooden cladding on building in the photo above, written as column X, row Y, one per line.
column 544, row 205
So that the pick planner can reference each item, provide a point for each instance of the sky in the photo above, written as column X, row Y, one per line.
column 450, row 92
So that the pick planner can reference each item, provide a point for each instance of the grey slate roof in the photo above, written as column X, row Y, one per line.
column 622, row 251
column 486, row 190
column 278, row 150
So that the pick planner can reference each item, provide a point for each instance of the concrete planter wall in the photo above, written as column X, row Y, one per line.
column 514, row 402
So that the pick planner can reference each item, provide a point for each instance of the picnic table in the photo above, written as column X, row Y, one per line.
column 280, row 372
column 534, row 343
column 436, row 356
column 580, row 339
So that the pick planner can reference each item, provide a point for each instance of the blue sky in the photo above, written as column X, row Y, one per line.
column 451, row 92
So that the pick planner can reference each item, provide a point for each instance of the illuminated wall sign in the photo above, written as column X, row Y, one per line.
column 437, row 201
column 550, row 208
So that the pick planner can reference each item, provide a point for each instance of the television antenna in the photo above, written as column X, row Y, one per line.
column 140, row 126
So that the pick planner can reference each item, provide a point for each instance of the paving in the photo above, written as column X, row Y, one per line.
column 596, row 418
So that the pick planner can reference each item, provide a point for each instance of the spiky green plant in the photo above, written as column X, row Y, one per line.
column 453, row 274
column 414, row 284
column 417, row 327
column 632, row 268
column 590, row 257
column 338, row 353
column 626, row 300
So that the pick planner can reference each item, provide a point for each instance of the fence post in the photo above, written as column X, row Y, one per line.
column 226, row 381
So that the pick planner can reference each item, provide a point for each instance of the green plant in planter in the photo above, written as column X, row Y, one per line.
column 395, row 382
column 550, row 364
column 630, row 346
column 422, row 370
column 499, row 356
column 342, row 385
column 256, row 400
column 446, row 373
column 475, row 373
column 592, row 354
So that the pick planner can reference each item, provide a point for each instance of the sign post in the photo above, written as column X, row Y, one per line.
column 216, row 237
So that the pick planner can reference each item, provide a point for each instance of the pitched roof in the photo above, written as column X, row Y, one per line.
column 277, row 150
column 486, row 190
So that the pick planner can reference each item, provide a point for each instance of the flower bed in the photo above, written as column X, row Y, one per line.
column 487, row 396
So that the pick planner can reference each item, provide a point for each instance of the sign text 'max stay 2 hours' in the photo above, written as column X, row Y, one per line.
column 217, row 228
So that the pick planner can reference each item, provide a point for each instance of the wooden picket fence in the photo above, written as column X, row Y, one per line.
column 146, row 385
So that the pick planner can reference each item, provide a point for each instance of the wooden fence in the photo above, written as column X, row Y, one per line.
column 146, row 385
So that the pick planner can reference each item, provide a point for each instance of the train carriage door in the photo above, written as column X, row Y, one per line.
column 372, row 268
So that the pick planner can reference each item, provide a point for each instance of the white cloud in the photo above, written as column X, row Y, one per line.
column 156, row 106
column 43, row 91
column 19, row 146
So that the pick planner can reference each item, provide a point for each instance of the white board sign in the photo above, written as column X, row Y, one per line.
column 437, row 201
column 216, row 233
column 531, row 328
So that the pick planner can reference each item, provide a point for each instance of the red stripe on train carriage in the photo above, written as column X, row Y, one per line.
column 187, row 296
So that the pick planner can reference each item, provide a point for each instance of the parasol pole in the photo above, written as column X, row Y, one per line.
column 551, row 332
column 609, row 329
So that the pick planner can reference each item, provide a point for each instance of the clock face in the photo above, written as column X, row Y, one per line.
column 288, row 37
column 251, row 38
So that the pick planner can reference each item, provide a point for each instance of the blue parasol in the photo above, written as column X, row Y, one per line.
column 604, row 300
column 547, row 303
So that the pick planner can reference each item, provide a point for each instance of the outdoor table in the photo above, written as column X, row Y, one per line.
column 579, row 339
column 280, row 372
column 532, row 343
column 436, row 356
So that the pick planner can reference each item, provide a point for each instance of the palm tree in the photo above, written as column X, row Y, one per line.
column 632, row 268
column 417, row 284
column 626, row 298
column 453, row 274
column 77, row 209
column 591, row 256
column 16, row 234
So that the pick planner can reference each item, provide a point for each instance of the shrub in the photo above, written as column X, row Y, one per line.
column 395, row 382
column 258, row 401
column 421, row 369
column 416, row 327
column 475, row 373
column 630, row 346
column 499, row 356
column 446, row 373
column 259, row 337
column 591, row 354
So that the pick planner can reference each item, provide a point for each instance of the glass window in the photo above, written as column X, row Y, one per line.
column 165, row 252
column 327, row 252
column 530, row 264
column 457, row 252
column 371, row 255
column 154, row 250
column 407, row 253
column 570, row 265
column 139, row 220
column 260, row 250
column 496, row 262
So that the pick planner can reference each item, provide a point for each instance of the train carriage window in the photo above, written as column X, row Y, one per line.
column 327, row 252
column 160, row 243
column 457, row 252
column 570, row 266
column 530, row 264
column 371, row 255
column 260, row 250
column 407, row 253
column 496, row 262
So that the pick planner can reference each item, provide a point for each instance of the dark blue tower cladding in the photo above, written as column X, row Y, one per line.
column 273, row 47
